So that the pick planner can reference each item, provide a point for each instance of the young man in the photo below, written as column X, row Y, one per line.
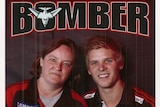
column 49, row 85
column 104, row 61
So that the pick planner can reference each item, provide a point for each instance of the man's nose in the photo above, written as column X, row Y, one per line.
column 102, row 66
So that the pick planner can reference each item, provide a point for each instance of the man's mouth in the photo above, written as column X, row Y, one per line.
column 103, row 75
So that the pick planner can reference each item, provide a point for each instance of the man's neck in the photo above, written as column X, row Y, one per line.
column 112, row 96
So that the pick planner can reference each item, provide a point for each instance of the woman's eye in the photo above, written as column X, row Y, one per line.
column 67, row 64
column 93, row 63
column 52, row 59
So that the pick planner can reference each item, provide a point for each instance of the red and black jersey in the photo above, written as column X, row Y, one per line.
column 131, row 97
column 25, row 94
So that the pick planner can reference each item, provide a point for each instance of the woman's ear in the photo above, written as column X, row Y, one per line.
column 41, row 62
column 89, row 72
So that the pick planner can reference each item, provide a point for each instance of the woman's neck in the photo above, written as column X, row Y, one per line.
column 47, row 90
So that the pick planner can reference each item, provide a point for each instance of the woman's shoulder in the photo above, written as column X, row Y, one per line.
column 76, row 96
column 18, row 85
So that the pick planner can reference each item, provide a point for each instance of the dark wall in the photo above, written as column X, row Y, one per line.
column 139, row 53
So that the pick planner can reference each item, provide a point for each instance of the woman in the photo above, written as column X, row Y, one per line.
column 49, row 85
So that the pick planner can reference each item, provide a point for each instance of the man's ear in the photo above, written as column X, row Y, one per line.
column 121, row 65
column 41, row 62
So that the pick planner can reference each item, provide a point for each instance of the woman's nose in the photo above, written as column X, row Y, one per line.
column 58, row 66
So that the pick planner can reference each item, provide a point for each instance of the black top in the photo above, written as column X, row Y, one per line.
column 131, row 97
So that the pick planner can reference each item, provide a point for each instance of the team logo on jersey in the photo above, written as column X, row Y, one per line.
column 139, row 100
column 20, row 104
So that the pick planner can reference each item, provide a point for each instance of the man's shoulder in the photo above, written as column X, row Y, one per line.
column 90, row 94
column 143, row 97
column 140, row 97
column 92, row 98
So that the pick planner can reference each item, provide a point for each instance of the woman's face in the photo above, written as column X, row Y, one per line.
column 57, row 65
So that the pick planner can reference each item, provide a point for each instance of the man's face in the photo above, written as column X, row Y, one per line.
column 104, row 67
column 57, row 65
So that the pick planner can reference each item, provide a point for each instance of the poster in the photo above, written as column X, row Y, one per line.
column 134, row 28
